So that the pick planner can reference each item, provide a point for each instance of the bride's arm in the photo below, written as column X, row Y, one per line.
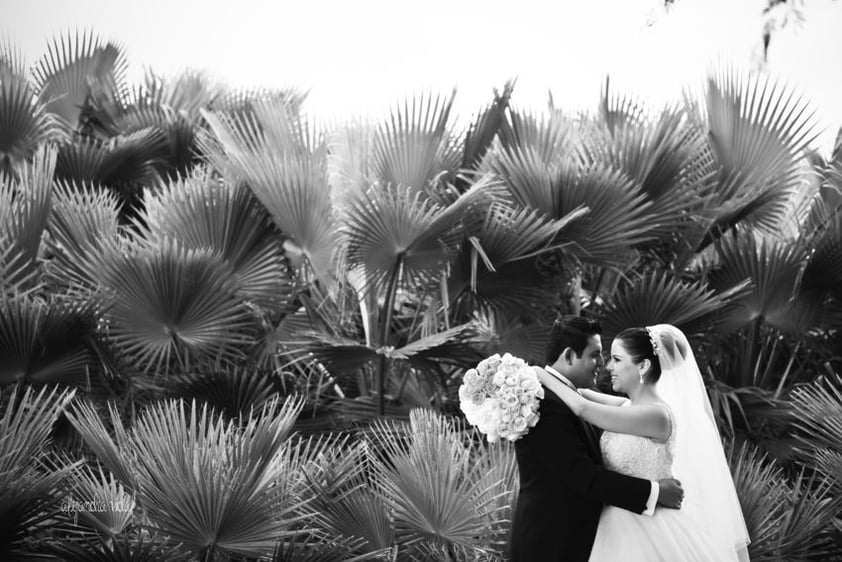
column 647, row 420
column 602, row 398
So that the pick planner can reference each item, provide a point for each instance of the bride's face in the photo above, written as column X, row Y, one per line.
column 625, row 374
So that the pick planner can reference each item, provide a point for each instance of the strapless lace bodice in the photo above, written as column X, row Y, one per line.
column 638, row 456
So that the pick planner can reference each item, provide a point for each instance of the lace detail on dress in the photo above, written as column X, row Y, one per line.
column 642, row 457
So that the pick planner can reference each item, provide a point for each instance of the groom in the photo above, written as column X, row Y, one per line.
column 563, row 484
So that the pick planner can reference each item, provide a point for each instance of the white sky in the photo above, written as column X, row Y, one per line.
column 361, row 56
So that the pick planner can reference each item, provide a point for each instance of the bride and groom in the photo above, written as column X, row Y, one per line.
column 621, row 496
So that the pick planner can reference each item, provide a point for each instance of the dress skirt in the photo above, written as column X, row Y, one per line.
column 671, row 535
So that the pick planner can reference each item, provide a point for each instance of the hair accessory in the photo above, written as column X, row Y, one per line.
column 656, row 348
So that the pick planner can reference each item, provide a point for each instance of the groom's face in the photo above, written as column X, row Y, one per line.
column 582, row 370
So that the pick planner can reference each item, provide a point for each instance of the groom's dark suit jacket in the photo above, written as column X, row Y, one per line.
column 563, row 487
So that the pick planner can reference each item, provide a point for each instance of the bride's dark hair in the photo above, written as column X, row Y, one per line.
column 638, row 343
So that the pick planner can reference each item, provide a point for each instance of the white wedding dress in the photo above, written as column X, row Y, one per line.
column 671, row 535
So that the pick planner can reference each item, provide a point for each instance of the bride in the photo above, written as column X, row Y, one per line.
column 664, row 428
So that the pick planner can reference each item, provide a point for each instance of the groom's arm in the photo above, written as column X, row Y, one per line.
column 566, row 455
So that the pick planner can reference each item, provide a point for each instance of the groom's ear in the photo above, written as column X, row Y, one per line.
column 568, row 355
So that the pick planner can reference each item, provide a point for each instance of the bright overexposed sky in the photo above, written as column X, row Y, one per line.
column 362, row 56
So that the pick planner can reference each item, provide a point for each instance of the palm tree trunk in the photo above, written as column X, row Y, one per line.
column 391, row 291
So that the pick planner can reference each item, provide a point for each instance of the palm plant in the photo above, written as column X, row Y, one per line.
column 785, row 521
column 817, row 409
column 25, row 122
column 216, row 487
column 441, row 499
column 34, row 481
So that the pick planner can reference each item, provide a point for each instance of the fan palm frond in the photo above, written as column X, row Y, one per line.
column 32, row 483
column 343, row 502
column 113, row 509
column 761, row 489
column 789, row 522
column 284, row 162
column 482, row 132
column 211, row 485
column 24, row 124
column 83, row 226
column 774, row 268
column 549, row 137
column 393, row 232
column 315, row 547
column 203, row 212
column 185, row 94
column 172, row 304
column 617, row 110
column 45, row 341
column 141, row 548
column 233, row 392
column 821, row 280
column 431, row 485
column 817, row 409
column 413, row 146
column 73, row 64
column 663, row 158
column 758, row 130
column 125, row 163
column 617, row 216
column 25, row 209
column 658, row 297
column 506, row 242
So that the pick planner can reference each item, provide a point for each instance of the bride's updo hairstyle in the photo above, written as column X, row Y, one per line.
column 638, row 344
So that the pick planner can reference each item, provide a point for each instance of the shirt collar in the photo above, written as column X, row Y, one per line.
column 560, row 377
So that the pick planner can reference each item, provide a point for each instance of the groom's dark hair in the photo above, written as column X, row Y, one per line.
column 572, row 332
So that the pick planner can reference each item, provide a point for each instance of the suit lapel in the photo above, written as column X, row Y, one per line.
column 591, row 437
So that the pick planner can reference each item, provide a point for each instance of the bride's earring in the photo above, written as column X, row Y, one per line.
column 641, row 378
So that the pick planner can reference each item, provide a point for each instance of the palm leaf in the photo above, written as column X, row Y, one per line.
column 169, row 303
column 125, row 549
column 617, row 110
column 658, row 297
column 114, row 452
column 617, row 210
column 394, row 232
column 413, row 147
column 233, row 392
column 210, row 485
column 125, row 163
column 761, row 489
column 32, row 483
column 757, row 132
column 822, row 275
column 114, row 506
column 549, row 137
column 24, row 123
column 64, row 76
column 430, row 485
column 285, row 164
column 23, row 218
column 663, row 158
column 506, row 242
column 202, row 212
column 83, row 226
column 45, row 341
column 482, row 132
column 315, row 547
column 774, row 267
column 818, row 414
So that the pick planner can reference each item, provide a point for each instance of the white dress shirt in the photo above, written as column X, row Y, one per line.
column 652, row 502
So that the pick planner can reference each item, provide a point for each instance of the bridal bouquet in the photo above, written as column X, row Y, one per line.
column 501, row 397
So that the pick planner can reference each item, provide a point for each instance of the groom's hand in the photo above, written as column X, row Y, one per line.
column 670, row 493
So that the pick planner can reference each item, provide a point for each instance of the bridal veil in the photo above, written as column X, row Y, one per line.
column 699, row 463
